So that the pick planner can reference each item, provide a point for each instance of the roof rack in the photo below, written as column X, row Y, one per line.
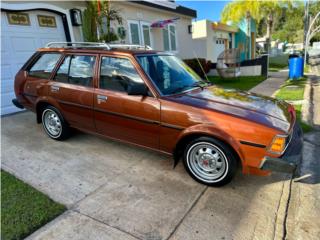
column 77, row 45
column 131, row 46
column 95, row 45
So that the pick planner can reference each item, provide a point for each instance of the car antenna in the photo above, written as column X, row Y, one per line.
column 201, row 67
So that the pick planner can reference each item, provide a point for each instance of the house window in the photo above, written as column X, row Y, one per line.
column 139, row 33
column 134, row 33
column 16, row 18
column 169, row 38
column 146, row 34
column 47, row 21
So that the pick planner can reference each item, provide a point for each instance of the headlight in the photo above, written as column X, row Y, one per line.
column 278, row 144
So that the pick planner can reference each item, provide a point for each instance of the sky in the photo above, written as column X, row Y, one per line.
column 205, row 9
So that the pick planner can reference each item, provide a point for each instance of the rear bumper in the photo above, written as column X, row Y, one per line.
column 292, row 156
column 17, row 104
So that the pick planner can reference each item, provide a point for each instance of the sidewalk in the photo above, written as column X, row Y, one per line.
column 301, row 198
column 303, row 221
column 272, row 83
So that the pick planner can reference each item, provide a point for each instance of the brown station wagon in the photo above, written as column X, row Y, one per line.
column 153, row 99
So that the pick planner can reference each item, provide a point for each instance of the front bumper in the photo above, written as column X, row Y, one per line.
column 291, row 157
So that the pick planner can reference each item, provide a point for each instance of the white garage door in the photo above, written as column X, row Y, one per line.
column 19, row 42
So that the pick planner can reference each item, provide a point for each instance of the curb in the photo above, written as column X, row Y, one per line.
column 305, row 109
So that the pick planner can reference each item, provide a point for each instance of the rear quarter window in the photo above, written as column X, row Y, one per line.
column 44, row 66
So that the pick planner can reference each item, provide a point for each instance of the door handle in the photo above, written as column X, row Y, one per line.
column 54, row 88
column 102, row 98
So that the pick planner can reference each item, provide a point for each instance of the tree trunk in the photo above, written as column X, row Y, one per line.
column 108, row 21
column 269, row 31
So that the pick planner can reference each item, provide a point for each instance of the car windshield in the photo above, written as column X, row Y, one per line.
column 170, row 74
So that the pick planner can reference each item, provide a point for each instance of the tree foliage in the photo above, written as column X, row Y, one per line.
column 314, row 8
column 94, row 21
column 271, row 16
column 109, row 13
column 259, row 10
column 291, row 29
column 89, row 23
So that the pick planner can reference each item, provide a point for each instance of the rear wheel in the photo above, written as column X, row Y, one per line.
column 54, row 124
column 210, row 161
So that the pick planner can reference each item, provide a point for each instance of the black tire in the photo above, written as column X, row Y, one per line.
column 226, row 160
column 64, row 131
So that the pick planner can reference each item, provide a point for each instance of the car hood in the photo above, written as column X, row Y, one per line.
column 265, row 110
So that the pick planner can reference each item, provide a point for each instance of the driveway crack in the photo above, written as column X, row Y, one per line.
column 284, row 235
column 99, row 221
column 189, row 210
column 277, row 212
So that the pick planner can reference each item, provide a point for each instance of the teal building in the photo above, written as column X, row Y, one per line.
column 245, row 38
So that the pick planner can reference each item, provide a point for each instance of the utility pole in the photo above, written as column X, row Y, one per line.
column 306, row 28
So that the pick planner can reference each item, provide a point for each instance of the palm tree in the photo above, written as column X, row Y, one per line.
column 259, row 10
column 111, row 14
column 93, row 21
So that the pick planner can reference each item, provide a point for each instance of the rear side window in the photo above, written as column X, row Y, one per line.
column 117, row 73
column 76, row 69
column 43, row 67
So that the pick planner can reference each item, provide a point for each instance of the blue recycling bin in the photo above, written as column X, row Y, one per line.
column 295, row 67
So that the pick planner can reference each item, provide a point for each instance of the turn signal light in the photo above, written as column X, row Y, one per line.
column 278, row 144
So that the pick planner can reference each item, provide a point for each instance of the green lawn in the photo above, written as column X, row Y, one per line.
column 291, row 93
column 23, row 208
column 294, row 91
column 305, row 127
column 275, row 67
column 307, row 68
column 242, row 82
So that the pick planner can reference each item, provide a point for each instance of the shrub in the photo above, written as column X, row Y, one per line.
column 111, row 37
column 194, row 64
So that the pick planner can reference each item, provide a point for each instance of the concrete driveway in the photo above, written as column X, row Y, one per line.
column 116, row 191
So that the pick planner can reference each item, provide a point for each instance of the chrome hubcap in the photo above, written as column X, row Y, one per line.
column 52, row 122
column 207, row 162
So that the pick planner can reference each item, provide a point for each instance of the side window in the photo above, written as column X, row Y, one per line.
column 44, row 65
column 117, row 73
column 76, row 70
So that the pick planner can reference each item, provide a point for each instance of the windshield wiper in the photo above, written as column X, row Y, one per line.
column 197, row 84
column 185, row 87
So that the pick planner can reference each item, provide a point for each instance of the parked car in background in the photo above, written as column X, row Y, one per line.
column 154, row 100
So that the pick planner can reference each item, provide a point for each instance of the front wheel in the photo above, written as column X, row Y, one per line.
column 54, row 124
column 210, row 161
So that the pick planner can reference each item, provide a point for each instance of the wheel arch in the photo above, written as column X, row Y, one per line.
column 206, row 131
column 42, row 103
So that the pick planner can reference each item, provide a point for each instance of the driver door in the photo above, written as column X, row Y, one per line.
column 121, row 116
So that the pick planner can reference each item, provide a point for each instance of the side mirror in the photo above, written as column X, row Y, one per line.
column 137, row 89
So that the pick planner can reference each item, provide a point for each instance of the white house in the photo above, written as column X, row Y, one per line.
column 212, row 38
column 26, row 26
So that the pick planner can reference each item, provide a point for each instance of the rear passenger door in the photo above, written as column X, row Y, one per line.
column 72, row 88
